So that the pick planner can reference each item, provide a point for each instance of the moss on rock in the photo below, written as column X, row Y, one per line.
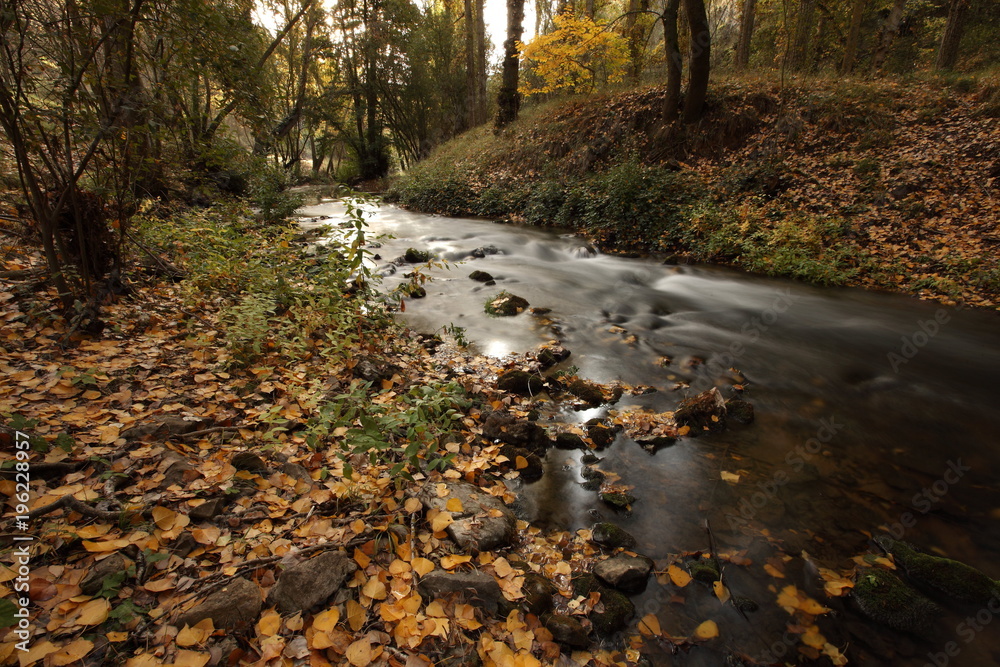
column 886, row 598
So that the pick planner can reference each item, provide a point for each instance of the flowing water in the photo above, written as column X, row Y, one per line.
column 874, row 413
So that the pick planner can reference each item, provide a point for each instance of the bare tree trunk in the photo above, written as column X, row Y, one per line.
column 889, row 32
column 634, row 35
column 509, row 99
column 803, row 34
column 853, row 36
column 701, row 60
column 947, row 54
column 482, row 103
column 471, row 86
column 672, row 100
column 589, row 9
column 746, row 34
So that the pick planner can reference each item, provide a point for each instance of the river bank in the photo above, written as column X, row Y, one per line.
column 884, row 185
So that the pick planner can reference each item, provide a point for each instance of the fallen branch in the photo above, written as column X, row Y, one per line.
column 71, row 503
column 208, row 431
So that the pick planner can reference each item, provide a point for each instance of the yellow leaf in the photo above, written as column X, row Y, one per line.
column 361, row 558
column 520, row 462
column 721, row 591
column 773, row 571
column 207, row 536
column 36, row 652
column 164, row 517
column 812, row 637
column 678, row 576
column 730, row 477
column 452, row 561
column 502, row 567
column 441, row 521
column 355, row 615
column 422, row 566
column 94, row 612
column 269, row 624
column 107, row 545
column 189, row 636
column 412, row 505
column 684, row 430
column 191, row 659
column 707, row 630
column 358, row 526
column 810, row 606
column 374, row 589
column 72, row 652
column 359, row 653
column 836, row 657
column 650, row 625
column 92, row 531
column 115, row 637
column 454, row 505
column 326, row 621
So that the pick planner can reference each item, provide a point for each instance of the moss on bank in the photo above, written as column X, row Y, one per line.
column 852, row 183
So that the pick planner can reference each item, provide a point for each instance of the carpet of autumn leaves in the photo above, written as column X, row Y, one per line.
column 137, row 426
column 883, row 184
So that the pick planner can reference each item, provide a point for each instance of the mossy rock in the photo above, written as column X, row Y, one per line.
column 611, row 536
column 566, row 630
column 618, row 609
column 739, row 411
column 941, row 575
column 538, row 592
column 618, row 500
column 505, row 304
column 885, row 598
column 569, row 441
column 481, row 276
column 521, row 383
column 705, row 570
column 601, row 434
column 414, row 256
column 587, row 392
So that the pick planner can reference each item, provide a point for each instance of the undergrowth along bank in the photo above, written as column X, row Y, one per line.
column 878, row 184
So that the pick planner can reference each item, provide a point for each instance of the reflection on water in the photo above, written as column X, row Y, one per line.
column 864, row 403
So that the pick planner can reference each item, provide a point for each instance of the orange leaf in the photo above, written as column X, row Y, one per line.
column 707, row 630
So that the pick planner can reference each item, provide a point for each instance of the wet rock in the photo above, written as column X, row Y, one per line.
column 569, row 441
column 414, row 256
column 94, row 580
column 601, row 434
column 374, row 370
column 520, row 382
column 618, row 500
column 611, row 536
column 705, row 570
column 481, row 276
column 415, row 291
column 501, row 426
column 704, row 412
column 739, row 410
column 474, row 588
column 530, row 468
column 587, row 392
column 208, row 510
column 626, row 573
column 308, row 584
column 744, row 604
column 885, row 598
column 653, row 445
column 589, row 459
column 249, row 462
column 538, row 592
column 550, row 355
column 614, row 610
column 479, row 253
column 566, row 630
column 593, row 478
column 506, row 305
column 484, row 523
column 238, row 604
column 941, row 575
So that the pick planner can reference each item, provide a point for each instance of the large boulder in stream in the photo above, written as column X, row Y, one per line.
column 885, row 598
column 506, row 304
column 941, row 576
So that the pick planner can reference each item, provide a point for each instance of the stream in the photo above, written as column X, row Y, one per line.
column 874, row 412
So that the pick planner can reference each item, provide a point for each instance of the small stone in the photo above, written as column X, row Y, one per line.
column 611, row 536
column 566, row 630
column 601, row 434
column 484, row 523
column 626, row 573
column 589, row 459
column 238, row 604
column 93, row 582
column 704, row 570
column 306, row 585
column 739, row 410
column 297, row 471
column 550, row 355
column 475, row 588
column 249, row 462
column 704, row 412
column 208, row 510
column 538, row 592
column 481, row 276
column 520, row 382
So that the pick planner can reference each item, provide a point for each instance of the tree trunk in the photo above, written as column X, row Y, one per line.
column 947, row 54
column 672, row 100
column 803, row 34
column 701, row 60
column 746, row 35
column 889, row 32
column 471, row 86
column 853, row 36
column 636, row 36
column 482, row 102
column 509, row 99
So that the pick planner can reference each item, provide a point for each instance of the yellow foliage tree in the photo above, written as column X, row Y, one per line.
column 577, row 56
